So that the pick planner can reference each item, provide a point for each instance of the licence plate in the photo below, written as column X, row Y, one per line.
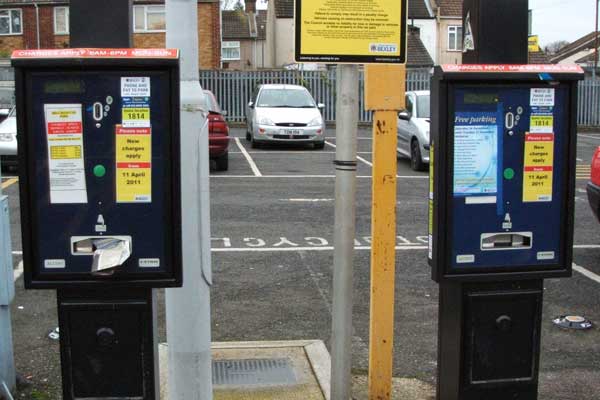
column 291, row 131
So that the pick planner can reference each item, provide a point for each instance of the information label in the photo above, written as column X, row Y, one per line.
column 366, row 31
column 64, row 131
column 538, row 167
column 132, row 86
column 133, row 164
column 475, row 153
column 136, row 112
column 541, row 97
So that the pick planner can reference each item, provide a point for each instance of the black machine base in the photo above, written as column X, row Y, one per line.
column 489, row 340
column 107, row 344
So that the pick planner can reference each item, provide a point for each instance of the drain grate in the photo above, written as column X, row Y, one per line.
column 270, row 371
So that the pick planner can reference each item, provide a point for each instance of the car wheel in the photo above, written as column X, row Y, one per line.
column 319, row 145
column 248, row 136
column 253, row 143
column 416, row 162
column 222, row 162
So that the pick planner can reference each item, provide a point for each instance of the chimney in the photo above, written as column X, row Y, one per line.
column 251, row 6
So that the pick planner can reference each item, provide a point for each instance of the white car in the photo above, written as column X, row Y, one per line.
column 284, row 113
column 8, row 140
column 413, row 129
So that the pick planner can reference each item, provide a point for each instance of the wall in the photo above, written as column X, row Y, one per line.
column 270, row 33
column 445, row 56
column 284, row 44
column 251, row 56
column 428, row 34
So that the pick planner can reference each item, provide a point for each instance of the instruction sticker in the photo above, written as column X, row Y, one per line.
column 132, row 86
column 64, row 132
column 541, row 97
column 541, row 123
column 133, row 164
column 475, row 153
column 538, row 167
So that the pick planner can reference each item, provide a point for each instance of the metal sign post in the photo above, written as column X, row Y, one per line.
column 375, row 34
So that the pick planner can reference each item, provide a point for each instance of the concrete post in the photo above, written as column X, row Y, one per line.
column 188, row 308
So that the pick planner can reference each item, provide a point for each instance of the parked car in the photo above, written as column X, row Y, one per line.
column 8, row 140
column 593, row 185
column 218, row 133
column 413, row 129
column 284, row 113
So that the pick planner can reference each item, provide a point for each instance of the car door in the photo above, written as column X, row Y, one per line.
column 404, row 128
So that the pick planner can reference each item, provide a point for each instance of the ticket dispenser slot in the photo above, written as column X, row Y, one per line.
column 506, row 241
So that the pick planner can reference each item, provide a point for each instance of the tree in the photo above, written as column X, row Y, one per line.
column 239, row 6
column 555, row 47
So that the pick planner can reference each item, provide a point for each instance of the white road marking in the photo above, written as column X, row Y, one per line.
column 586, row 273
column 288, row 249
column 588, row 136
column 579, row 159
column 253, row 166
column 357, row 157
column 358, row 138
column 312, row 176
column 17, row 253
column 306, row 200
column 294, row 152
column 18, row 271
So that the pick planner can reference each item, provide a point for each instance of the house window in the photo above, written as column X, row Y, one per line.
column 10, row 22
column 455, row 37
column 61, row 20
column 230, row 51
column 149, row 19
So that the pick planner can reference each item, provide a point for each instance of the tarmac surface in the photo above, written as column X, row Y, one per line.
column 272, row 237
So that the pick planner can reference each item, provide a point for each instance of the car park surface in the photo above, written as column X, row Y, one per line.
column 272, row 241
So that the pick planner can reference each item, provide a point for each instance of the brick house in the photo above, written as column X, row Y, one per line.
column 243, row 45
column 32, row 24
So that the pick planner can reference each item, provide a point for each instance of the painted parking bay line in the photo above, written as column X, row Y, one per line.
column 251, row 162
column 311, row 176
column 288, row 249
column 587, row 273
column 9, row 182
column 357, row 157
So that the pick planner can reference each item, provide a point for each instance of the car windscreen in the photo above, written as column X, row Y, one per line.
column 423, row 106
column 290, row 98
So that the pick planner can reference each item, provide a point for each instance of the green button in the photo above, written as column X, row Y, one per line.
column 509, row 173
column 99, row 171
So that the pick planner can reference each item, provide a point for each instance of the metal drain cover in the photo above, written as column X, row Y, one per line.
column 268, row 371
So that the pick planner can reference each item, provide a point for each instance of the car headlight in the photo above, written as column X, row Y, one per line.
column 316, row 122
column 266, row 121
column 6, row 137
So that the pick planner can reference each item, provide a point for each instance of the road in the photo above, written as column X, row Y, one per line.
column 272, row 234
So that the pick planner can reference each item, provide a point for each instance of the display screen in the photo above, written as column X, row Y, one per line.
column 480, row 98
column 66, row 86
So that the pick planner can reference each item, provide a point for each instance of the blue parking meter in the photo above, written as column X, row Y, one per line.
column 99, row 178
column 99, row 167
column 501, row 201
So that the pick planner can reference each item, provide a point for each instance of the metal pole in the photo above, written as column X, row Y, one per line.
column 188, row 308
column 596, row 45
column 7, row 289
column 344, row 230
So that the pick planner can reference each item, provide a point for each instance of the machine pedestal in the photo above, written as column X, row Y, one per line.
column 107, row 343
column 489, row 340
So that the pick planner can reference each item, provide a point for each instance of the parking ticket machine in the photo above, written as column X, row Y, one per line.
column 501, row 199
column 100, row 205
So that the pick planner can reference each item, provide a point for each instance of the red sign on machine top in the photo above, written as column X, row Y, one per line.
column 534, row 68
column 96, row 53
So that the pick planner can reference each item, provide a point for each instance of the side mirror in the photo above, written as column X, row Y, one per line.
column 404, row 114
column 320, row 106
column 224, row 113
column 251, row 104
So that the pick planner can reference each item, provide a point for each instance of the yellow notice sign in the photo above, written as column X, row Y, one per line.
column 65, row 152
column 543, row 123
column 351, row 31
column 136, row 117
column 538, row 167
column 133, row 165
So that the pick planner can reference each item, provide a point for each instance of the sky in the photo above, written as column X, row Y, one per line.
column 562, row 19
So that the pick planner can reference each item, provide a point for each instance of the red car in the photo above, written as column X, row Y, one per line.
column 218, row 133
column 593, row 186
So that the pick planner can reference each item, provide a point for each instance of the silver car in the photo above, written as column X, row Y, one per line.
column 284, row 113
column 413, row 129
column 8, row 140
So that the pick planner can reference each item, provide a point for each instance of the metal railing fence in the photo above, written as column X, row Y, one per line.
column 233, row 89
column 589, row 103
